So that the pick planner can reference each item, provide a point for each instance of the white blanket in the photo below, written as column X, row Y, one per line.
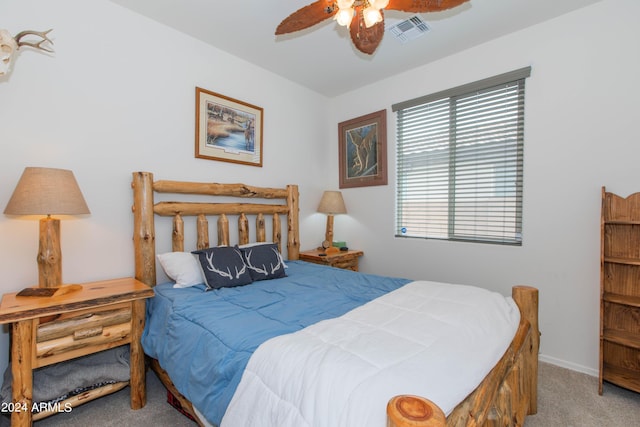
column 430, row 339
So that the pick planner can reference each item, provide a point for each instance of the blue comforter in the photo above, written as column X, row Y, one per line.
column 204, row 339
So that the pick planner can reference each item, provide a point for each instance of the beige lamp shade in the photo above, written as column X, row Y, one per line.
column 47, row 191
column 332, row 203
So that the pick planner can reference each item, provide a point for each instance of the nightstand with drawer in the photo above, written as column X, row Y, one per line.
column 342, row 259
column 46, row 330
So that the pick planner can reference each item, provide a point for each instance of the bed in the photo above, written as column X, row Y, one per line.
column 504, row 395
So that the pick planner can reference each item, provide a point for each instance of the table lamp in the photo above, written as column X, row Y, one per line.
column 47, row 191
column 331, row 204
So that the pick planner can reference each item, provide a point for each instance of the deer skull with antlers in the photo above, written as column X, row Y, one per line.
column 9, row 45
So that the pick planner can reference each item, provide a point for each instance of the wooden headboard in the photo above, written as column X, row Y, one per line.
column 145, row 208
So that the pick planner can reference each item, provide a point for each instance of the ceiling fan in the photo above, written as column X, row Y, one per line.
column 364, row 18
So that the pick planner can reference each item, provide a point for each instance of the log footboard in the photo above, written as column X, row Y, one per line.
column 504, row 398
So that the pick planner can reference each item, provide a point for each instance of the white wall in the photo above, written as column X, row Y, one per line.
column 580, row 133
column 119, row 96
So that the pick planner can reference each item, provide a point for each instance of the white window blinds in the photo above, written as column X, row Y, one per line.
column 459, row 171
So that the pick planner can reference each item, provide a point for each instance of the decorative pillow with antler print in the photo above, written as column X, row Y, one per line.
column 223, row 267
column 264, row 261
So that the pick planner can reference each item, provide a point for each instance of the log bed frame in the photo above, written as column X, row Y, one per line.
column 505, row 396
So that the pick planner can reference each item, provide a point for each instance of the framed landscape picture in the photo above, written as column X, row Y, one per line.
column 362, row 151
column 227, row 129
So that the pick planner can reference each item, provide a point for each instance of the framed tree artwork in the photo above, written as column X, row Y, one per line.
column 227, row 129
column 362, row 151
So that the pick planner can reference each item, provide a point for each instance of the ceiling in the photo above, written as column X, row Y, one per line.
column 322, row 57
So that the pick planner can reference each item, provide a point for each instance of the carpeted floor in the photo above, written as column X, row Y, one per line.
column 570, row 399
column 565, row 399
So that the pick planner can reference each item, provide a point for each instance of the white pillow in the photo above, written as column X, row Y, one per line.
column 182, row 267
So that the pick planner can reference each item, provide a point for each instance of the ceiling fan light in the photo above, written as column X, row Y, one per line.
column 371, row 16
column 379, row 4
column 345, row 4
column 344, row 16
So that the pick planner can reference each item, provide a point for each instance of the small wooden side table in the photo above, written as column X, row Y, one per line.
column 47, row 330
column 347, row 260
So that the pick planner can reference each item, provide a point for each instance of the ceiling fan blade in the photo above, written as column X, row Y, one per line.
column 423, row 5
column 366, row 40
column 306, row 17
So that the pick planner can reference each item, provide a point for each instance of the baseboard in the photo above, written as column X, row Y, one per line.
column 568, row 365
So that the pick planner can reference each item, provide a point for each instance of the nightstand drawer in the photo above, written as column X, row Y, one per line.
column 81, row 332
column 347, row 264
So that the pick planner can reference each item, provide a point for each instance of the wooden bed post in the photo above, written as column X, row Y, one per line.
column 414, row 411
column 527, row 299
column 293, row 232
column 144, row 238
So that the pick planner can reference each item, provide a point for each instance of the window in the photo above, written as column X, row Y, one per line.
column 459, row 162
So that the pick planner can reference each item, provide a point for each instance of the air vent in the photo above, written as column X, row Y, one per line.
column 410, row 29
